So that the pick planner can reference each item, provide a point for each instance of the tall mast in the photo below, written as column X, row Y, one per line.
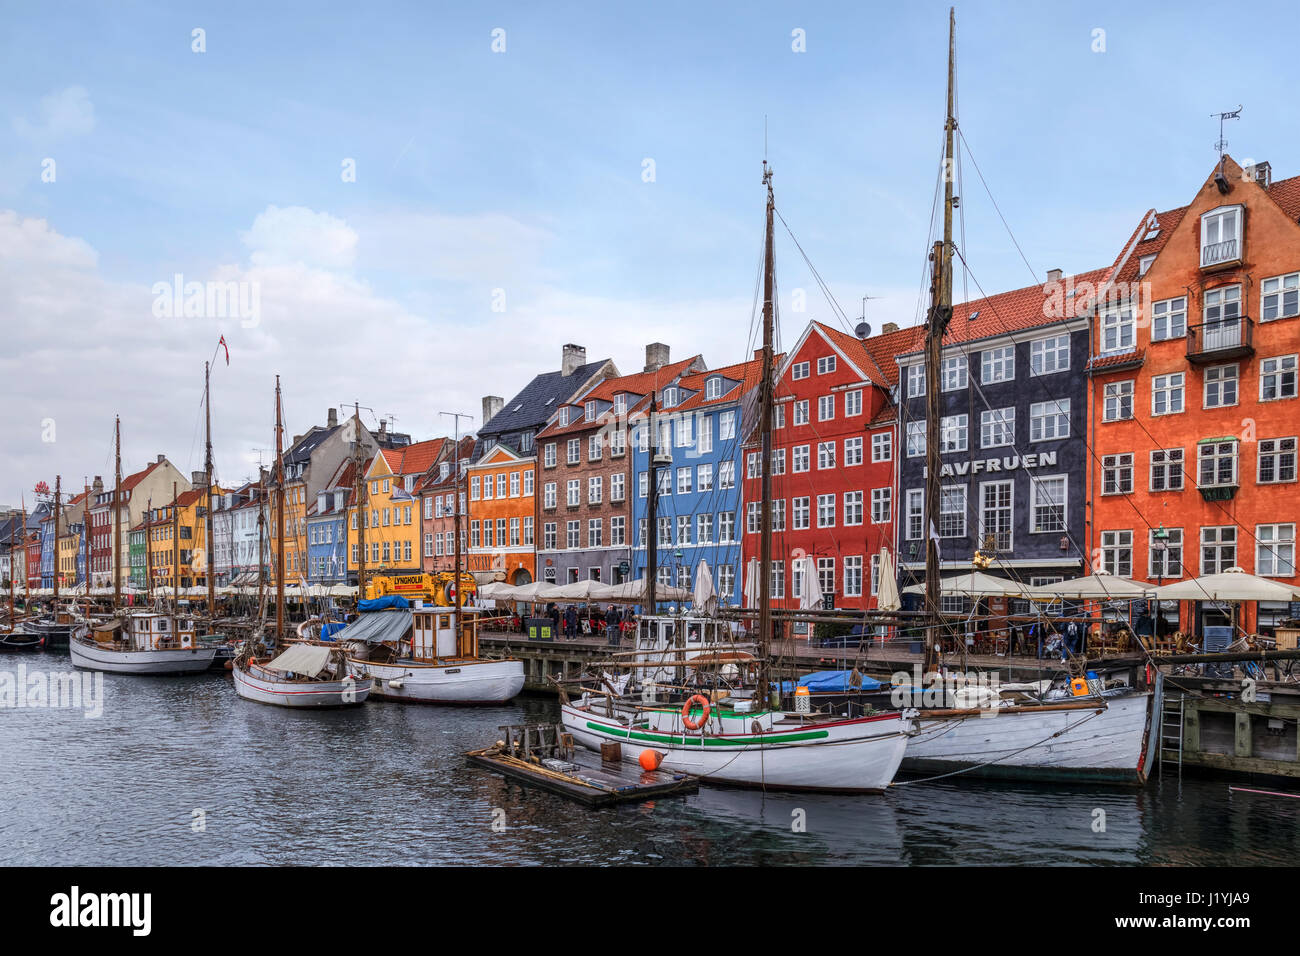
column 176, row 546
column 457, row 416
column 117, row 512
column 148, row 552
column 765, row 452
column 58, row 494
column 652, row 511
column 207, row 477
column 85, row 540
column 359, row 500
column 13, row 619
column 936, row 324
column 279, row 516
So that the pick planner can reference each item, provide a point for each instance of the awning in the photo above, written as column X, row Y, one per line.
column 377, row 627
column 974, row 584
column 302, row 659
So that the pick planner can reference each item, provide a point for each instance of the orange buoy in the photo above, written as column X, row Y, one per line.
column 690, row 722
column 650, row 759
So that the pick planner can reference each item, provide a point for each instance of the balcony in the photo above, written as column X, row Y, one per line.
column 1220, row 340
column 1216, row 254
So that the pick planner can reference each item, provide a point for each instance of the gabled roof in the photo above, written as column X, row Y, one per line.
column 302, row 449
column 130, row 481
column 639, row 385
column 414, row 459
column 746, row 375
column 433, row 481
column 531, row 408
column 874, row 356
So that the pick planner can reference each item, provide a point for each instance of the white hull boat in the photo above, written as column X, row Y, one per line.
column 450, row 682
column 788, row 752
column 89, row 655
column 1111, row 739
column 265, row 686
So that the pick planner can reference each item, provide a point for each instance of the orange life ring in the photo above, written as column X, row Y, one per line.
column 686, row 712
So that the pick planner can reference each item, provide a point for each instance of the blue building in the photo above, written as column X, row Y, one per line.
column 327, row 536
column 49, row 542
column 701, row 421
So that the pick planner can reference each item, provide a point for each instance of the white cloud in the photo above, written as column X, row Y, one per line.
column 66, row 112
column 297, row 235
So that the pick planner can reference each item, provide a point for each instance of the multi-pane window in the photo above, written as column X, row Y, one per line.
column 853, row 403
column 776, row 580
column 826, row 575
column 799, row 370
column 1165, row 553
column 882, row 446
column 916, row 513
column 725, row 576
column 998, row 365
column 778, row 461
column 1117, row 553
column 825, row 408
column 825, row 455
column 573, row 493
column 727, row 426
column 726, row 527
column 1049, row 499
column 997, row 427
column 593, row 447
column 704, row 477
column 1049, row 421
column 1218, row 548
column 1049, row 355
column 1277, row 378
column 1275, row 550
column 1117, row 474
column 778, row 514
column 853, row 506
column 853, row 576
column 514, row 532
column 826, row 365
column 1167, row 469
column 952, row 511
column 1218, row 464
column 684, row 476
column 595, row 489
column 915, row 439
column 995, row 513
column 952, row 433
column 713, row 388
column 1276, row 460
column 572, row 533
column 1279, row 297
column 1220, row 386
column 915, row 381
column 1221, row 235
column 952, row 373
column 704, row 528
column 684, row 529
column 726, row 475
column 801, row 513
column 685, row 431
column 853, row 451
column 751, row 517
column 825, row 511
column 574, row 450
column 801, row 412
column 1169, row 319
column 616, row 486
column 1222, row 328
column 617, row 530
column 1167, row 394
column 1118, row 401
column 752, row 462
column 705, row 443
column 801, row 457
column 1118, row 330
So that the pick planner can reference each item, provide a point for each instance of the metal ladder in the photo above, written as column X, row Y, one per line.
column 1171, row 732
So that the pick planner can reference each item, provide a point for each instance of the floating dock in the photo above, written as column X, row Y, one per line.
column 542, row 755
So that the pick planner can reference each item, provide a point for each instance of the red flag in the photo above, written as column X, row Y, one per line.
column 223, row 344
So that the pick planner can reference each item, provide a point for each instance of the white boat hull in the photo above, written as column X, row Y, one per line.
column 859, row 755
column 265, row 687
column 466, row 682
column 1109, row 742
column 170, row 661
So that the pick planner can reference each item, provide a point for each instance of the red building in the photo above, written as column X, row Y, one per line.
column 437, row 491
column 835, row 455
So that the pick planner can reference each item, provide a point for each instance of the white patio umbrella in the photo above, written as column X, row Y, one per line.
column 1099, row 586
column 1233, row 584
column 887, row 598
column 973, row 584
column 577, row 591
column 634, row 592
column 751, row 583
column 704, row 597
column 812, row 588
column 496, row 591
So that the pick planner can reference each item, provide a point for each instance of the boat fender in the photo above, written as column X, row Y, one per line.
column 395, row 683
column 691, row 723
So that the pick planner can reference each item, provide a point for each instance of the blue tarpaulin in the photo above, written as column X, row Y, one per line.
column 331, row 628
column 830, row 682
column 383, row 603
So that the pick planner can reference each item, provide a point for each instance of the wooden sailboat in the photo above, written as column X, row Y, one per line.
column 14, row 637
column 739, row 741
column 1052, row 735
column 429, row 655
column 302, row 674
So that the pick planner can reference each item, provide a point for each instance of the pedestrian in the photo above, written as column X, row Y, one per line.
column 570, row 622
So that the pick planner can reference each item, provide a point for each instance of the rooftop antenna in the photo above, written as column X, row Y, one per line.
column 1222, row 144
column 863, row 329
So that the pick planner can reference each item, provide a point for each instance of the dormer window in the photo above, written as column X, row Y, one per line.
column 590, row 411
column 713, row 388
column 563, row 418
column 443, row 470
column 620, row 403
column 1144, row 264
column 670, row 397
column 1221, row 236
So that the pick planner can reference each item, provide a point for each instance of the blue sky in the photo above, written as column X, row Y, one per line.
column 521, row 171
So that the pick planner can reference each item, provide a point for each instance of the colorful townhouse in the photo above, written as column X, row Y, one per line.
column 327, row 528
column 1194, row 409
column 438, row 492
column 1014, row 432
column 834, row 451
column 502, row 516
column 586, row 506
column 391, row 514
column 700, row 424
column 241, row 527
column 32, row 555
column 49, row 540
column 152, row 483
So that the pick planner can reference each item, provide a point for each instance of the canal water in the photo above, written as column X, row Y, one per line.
column 181, row 771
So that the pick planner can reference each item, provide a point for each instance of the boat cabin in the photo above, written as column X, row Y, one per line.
column 682, row 637
column 433, row 633
column 154, row 632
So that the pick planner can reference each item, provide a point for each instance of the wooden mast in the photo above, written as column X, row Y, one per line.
column 85, row 541
column 58, row 494
column 936, row 324
column 460, row 633
column 652, row 512
column 207, row 477
column 765, row 452
column 117, row 512
column 359, row 501
column 279, row 517
column 148, row 552
column 176, row 547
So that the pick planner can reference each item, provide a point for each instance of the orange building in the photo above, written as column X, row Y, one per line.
column 502, row 517
column 1194, row 411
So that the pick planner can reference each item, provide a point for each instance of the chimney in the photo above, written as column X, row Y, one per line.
column 332, row 418
column 161, row 459
column 296, row 439
column 198, row 478
column 574, row 357
column 383, row 431
column 98, row 485
column 656, row 356
column 889, row 327
column 1054, row 275
column 1262, row 172
column 491, row 406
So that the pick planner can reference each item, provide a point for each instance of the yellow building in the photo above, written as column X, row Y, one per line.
column 392, row 513
column 295, row 532
column 190, row 525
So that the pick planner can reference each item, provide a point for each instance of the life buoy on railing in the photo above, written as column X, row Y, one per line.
column 690, row 723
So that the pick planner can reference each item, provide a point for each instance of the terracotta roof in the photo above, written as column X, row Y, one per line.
column 1166, row 222
column 1286, row 193
column 747, row 374
column 1123, row 359
column 639, row 384
column 414, row 459
column 875, row 356
column 130, row 481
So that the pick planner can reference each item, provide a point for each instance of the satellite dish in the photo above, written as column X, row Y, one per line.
column 862, row 330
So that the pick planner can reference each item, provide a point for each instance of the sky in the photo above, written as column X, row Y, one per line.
column 421, row 203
